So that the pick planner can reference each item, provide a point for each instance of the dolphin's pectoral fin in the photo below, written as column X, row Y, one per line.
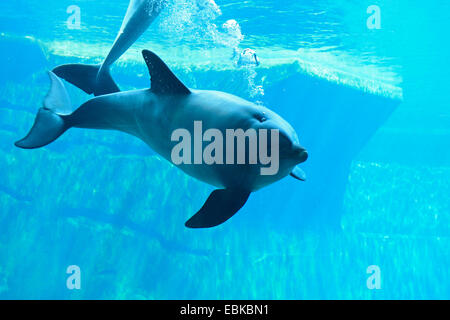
column 298, row 174
column 221, row 205
column 163, row 81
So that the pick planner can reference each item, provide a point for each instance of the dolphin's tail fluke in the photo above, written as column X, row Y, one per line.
column 50, row 122
column 48, row 126
column 92, row 79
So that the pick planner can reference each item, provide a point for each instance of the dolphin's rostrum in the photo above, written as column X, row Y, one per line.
column 154, row 114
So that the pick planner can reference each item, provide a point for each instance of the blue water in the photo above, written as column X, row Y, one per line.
column 370, row 105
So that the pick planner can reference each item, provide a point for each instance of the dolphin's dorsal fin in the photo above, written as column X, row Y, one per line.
column 163, row 81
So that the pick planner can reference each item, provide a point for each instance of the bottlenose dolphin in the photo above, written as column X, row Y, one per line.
column 154, row 114
column 97, row 79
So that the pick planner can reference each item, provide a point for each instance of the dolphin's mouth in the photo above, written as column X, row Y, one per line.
column 302, row 155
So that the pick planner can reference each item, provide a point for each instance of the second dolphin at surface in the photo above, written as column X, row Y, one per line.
column 96, row 79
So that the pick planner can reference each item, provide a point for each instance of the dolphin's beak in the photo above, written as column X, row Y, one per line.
column 300, row 154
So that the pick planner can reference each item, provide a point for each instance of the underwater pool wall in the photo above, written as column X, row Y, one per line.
column 334, row 122
column 102, row 201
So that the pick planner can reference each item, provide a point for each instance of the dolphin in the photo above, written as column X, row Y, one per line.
column 96, row 79
column 154, row 114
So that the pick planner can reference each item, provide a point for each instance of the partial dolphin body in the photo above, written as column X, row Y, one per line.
column 97, row 79
column 154, row 114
